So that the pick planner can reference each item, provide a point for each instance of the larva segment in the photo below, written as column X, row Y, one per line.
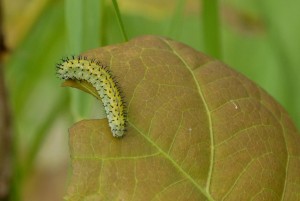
column 80, row 68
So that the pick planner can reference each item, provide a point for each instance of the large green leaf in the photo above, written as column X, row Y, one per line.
column 197, row 130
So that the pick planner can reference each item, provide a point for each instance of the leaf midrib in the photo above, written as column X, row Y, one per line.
column 165, row 154
column 207, row 112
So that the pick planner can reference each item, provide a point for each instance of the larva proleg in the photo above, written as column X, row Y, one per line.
column 91, row 71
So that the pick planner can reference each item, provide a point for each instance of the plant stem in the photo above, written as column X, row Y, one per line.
column 91, row 24
column 176, row 19
column 117, row 11
column 74, row 24
column 211, row 28
column 103, row 24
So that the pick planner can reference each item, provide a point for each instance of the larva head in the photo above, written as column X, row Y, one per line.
column 118, row 133
column 118, row 128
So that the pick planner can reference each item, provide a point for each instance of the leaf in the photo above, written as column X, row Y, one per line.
column 197, row 130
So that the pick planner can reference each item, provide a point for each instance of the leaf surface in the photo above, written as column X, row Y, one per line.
column 197, row 130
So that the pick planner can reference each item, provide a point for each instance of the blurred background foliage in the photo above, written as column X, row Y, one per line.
column 257, row 38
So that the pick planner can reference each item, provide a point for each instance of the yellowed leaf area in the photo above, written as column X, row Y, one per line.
column 82, row 85
column 197, row 130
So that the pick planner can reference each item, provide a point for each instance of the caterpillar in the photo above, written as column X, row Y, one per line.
column 92, row 71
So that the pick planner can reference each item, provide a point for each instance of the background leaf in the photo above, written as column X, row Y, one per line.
column 197, row 130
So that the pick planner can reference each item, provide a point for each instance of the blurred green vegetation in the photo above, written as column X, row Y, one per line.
column 257, row 38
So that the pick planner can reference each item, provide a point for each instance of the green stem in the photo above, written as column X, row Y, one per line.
column 91, row 24
column 74, row 24
column 211, row 28
column 177, row 17
column 117, row 11
column 103, row 24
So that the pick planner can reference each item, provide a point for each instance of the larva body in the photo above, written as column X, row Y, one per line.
column 100, row 78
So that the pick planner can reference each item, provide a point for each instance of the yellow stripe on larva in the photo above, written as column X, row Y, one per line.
column 99, row 77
